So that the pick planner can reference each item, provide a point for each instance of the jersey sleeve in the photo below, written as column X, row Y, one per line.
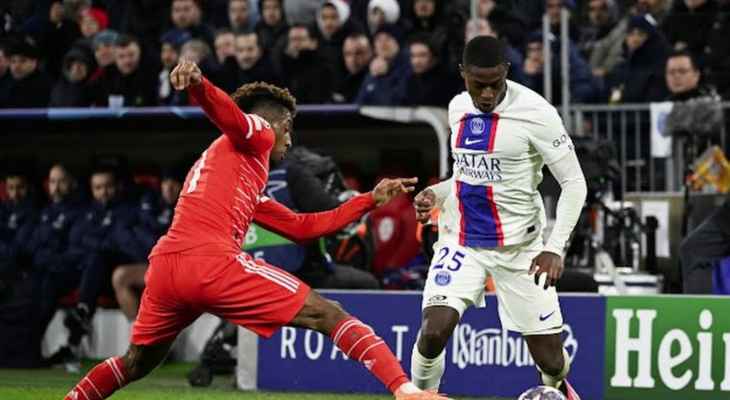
column 300, row 227
column 248, row 132
column 549, row 137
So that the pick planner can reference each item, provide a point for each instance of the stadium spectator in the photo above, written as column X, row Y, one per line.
column 482, row 27
column 129, row 78
column 17, row 219
column 553, row 10
column 429, row 84
column 92, row 21
column 602, row 39
column 225, row 45
column 380, row 13
column 717, row 50
column 198, row 52
column 658, row 9
column 583, row 87
column 169, row 56
column 387, row 71
column 512, row 25
column 101, row 239
column 684, row 79
column 73, row 89
column 6, row 79
column 688, row 25
column 357, row 54
column 428, row 19
column 272, row 27
column 30, row 86
column 239, row 16
column 156, row 211
column 251, row 64
column 103, row 47
column 333, row 26
column 294, row 183
column 187, row 16
column 55, row 32
column 305, row 73
column 640, row 77
column 48, row 244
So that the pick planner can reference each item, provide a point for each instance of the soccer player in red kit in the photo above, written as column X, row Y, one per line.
column 198, row 266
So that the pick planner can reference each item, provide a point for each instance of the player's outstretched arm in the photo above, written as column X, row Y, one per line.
column 218, row 106
column 300, row 227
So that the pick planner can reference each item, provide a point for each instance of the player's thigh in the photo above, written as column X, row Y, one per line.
column 456, row 278
column 524, row 306
column 251, row 293
column 163, row 312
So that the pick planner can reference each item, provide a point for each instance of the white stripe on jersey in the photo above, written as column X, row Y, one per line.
column 271, row 274
column 250, row 126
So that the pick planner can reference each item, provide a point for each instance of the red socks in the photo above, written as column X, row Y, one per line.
column 101, row 381
column 359, row 342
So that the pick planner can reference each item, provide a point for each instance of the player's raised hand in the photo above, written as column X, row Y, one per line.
column 387, row 189
column 547, row 263
column 186, row 73
column 424, row 203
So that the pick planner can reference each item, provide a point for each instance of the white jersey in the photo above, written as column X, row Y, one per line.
column 498, row 160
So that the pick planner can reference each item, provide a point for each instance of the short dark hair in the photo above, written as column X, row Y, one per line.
column 125, row 40
column 484, row 52
column 425, row 40
column 260, row 94
column 685, row 53
column 249, row 33
column 309, row 28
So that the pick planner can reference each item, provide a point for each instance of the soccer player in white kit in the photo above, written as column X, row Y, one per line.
column 492, row 217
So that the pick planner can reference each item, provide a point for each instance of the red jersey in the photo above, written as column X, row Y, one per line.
column 222, row 193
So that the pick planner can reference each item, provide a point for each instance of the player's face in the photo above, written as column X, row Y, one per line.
column 16, row 187
column 103, row 187
column 59, row 184
column 282, row 129
column 486, row 86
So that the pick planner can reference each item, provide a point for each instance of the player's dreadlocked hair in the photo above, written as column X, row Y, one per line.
column 261, row 94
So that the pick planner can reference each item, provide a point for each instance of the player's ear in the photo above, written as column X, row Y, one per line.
column 461, row 71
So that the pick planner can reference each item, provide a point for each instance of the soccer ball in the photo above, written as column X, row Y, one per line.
column 542, row 393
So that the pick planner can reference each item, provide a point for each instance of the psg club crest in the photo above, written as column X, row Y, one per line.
column 477, row 126
column 443, row 278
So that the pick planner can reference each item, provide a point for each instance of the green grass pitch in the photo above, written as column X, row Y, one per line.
column 166, row 383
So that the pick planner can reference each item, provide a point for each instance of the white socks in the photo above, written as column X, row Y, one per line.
column 556, row 381
column 408, row 388
column 426, row 373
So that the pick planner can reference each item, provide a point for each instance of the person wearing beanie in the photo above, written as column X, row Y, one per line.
column 640, row 78
column 102, row 46
column 382, row 12
column 92, row 21
column 72, row 89
column 333, row 26
column 30, row 86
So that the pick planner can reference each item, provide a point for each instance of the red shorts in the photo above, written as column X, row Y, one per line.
column 244, row 291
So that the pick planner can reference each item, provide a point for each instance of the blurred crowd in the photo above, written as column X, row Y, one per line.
column 105, row 53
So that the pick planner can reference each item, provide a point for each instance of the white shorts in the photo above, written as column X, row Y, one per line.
column 458, row 275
